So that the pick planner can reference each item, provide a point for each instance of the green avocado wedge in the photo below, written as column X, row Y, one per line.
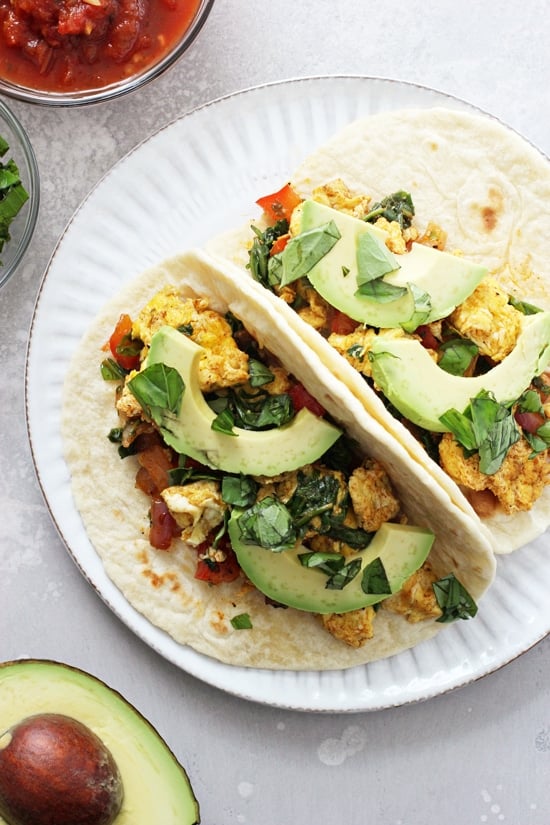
column 422, row 392
column 187, row 426
column 432, row 283
column 281, row 576
column 156, row 787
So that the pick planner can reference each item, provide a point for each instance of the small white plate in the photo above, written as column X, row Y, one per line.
column 198, row 176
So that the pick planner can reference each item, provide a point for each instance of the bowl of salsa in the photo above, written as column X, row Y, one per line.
column 19, row 193
column 71, row 52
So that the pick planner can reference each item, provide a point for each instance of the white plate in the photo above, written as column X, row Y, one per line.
column 199, row 175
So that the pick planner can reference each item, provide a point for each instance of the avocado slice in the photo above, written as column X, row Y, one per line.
column 442, row 279
column 412, row 381
column 281, row 576
column 268, row 452
column 156, row 787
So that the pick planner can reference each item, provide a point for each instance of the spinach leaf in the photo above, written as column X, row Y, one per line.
column 453, row 599
column 396, row 207
column 259, row 255
column 316, row 493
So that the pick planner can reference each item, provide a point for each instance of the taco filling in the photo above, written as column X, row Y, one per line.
column 457, row 358
column 328, row 537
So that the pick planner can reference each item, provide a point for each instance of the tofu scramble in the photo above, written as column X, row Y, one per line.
column 485, row 326
column 189, row 503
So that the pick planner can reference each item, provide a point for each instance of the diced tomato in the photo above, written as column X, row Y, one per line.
column 157, row 460
column 530, row 421
column 300, row 398
column 427, row 338
column 164, row 527
column 215, row 572
column 124, row 350
column 280, row 205
column 342, row 324
column 279, row 244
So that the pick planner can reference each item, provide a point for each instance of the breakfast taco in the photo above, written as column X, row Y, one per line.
column 409, row 253
column 236, row 493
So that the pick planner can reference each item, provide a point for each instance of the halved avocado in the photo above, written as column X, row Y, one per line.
column 421, row 391
column 281, row 576
column 267, row 452
column 156, row 787
column 446, row 279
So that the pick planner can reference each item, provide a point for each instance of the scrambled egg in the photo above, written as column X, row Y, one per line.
column 372, row 497
column 487, row 319
column 337, row 195
column 197, row 508
column 354, row 628
column 416, row 600
column 223, row 364
column 517, row 484
column 354, row 347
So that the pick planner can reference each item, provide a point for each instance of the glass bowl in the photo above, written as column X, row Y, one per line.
column 22, row 227
column 39, row 93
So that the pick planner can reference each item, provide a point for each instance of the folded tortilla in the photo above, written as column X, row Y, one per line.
column 487, row 188
column 161, row 584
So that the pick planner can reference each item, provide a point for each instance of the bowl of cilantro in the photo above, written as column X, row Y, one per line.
column 19, row 193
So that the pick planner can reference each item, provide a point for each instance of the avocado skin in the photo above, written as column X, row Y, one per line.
column 267, row 452
column 153, row 779
column 412, row 381
column 282, row 577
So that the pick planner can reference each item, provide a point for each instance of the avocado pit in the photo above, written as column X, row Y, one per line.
column 54, row 770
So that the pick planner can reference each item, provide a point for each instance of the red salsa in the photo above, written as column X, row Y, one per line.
column 75, row 45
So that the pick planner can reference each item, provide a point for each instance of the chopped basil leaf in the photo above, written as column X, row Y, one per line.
column 239, row 491
column 486, row 426
column 305, row 250
column 344, row 576
column 269, row 524
column 241, row 622
column 345, row 271
column 186, row 329
column 13, row 195
column 381, row 291
column 129, row 346
column 224, row 423
column 259, row 374
column 115, row 435
column 159, row 390
column 111, row 371
column 354, row 537
column 422, row 308
column 396, row 207
column 260, row 411
column 460, row 425
column 374, row 259
column 453, row 599
column 328, row 563
column 374, row 579
column 523, row 306
column 530, row 402
column 495, row 429
column 457, row 355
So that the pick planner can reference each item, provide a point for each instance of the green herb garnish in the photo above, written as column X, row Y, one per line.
column 374, row 578
column 269, row 524
column 457, row 355
column 374, row 259
column 13, row 195
column 453, row 599
column 239, row 491
column 159, row 390
column 241, row 622
column 344, row 576
column 396, row 207
column 305, row 250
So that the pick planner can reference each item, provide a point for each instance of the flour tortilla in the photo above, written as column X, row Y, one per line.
column 160, row 584
column 487, row 188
